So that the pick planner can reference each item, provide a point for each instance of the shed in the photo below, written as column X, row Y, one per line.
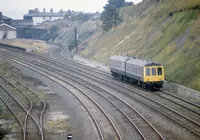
column 7, row 31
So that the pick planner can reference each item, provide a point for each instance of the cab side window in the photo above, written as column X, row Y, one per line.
column 153, row 71
column 147, row 71
column 159, row 71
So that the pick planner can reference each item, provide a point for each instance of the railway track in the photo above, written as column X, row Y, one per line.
column 141, row 121
column 95, row 116
column 16, row 116
column 142, row 124
column 56, row 56
column 192, row 107
column 95, row 72
column 181, row 102
column 128, row 86
column 30, row 125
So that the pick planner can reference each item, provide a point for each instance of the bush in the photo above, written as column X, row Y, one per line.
column 3, row 132
column 51, row 34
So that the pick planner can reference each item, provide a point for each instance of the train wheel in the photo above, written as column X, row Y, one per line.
column 137, row 83
column 144, row 85
column 126, row 79
column 141, row 84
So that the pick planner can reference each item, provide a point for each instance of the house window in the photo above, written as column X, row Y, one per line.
column 147, row 71
column 159, row 71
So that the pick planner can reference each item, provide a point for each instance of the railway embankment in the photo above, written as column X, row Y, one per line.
column 176, row 89
column 2, row 45
column 164, row 31
column 37, row 46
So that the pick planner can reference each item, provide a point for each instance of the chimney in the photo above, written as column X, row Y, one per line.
column 1, row 16
column 51, row 10
column 43, row 10
column 30, row 11
column 61, row 12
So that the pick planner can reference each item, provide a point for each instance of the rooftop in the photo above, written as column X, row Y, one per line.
column 6, row 25
column 5, row 17
column 20, row 22
column 42, row 14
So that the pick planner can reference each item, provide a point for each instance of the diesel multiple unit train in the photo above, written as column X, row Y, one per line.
column 144, row 73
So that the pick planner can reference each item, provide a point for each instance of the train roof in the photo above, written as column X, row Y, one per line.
column 141, row 63
column 119, row 58
column 134, row 61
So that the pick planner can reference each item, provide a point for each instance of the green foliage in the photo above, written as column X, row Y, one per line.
column 71, row 45
column 153, row 33
column 83, row 17
column 106, row 19
column 52, row 33
column 54, row 29
column 116, row 3
column 110, row 16
column 3, row 132
column 67, row 14
column 85, row 35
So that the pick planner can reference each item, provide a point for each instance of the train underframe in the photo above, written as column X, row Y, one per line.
column 148, row 85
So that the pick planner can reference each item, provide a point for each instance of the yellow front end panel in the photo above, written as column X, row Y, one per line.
column 150, row 76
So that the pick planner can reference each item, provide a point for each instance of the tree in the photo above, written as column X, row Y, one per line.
column 116, row 3
column 66, row 16
column 71, row 45
column 3, row 132
column 69, row 12
column 106, row 22
column 110, row 15
column 36, row 10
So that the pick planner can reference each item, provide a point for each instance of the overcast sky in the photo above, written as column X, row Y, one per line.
column 17, row 8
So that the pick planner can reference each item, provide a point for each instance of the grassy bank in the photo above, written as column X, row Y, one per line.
column 31, row 45
column 165, row 31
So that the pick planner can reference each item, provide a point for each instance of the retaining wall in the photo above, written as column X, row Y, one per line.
column 183, row 91
column 11, row 47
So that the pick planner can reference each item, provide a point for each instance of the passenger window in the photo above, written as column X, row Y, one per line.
column 147, row 71
column 153, row 71
column 159, row 71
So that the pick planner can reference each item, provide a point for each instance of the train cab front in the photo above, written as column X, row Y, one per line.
column 154, row 76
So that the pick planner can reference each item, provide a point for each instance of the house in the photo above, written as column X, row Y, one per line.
column 22, row 23
column 31, row 33
column 7, row 31
column 39, row 17
column 5, row 19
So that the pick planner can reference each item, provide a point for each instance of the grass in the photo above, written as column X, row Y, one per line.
column 35, row 45
column 154, row 34
column 58, row 125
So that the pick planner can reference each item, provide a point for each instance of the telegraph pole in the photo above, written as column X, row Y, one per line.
column 76, row 39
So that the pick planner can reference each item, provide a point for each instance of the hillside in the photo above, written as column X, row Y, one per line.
column 62, row 31
column 166, row 31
